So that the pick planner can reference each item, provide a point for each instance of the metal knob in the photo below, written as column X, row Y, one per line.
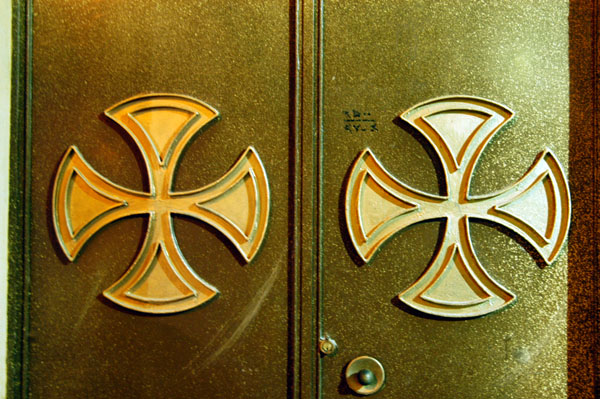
column 365, row 375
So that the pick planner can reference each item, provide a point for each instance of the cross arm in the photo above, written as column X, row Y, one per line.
column 537, row 207
column 84, row 202
column 237, row 204
column 378, row 205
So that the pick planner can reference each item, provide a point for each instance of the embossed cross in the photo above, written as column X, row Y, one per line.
column 160, row 280
column 536, row 208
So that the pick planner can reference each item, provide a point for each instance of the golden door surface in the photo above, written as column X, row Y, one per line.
column 378, row 62
column 90, row 338
column 207, row 182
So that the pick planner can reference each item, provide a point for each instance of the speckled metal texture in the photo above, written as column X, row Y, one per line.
column 380, row 59
column 261, row 64
column 88, row 55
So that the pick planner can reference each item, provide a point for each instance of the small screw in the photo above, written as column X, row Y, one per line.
column 327, row 346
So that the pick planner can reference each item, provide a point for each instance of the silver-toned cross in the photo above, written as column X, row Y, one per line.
column 536, row 208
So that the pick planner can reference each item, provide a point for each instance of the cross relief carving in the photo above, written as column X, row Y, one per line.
column 377, row 205
column 455, row 284
column 160, row 280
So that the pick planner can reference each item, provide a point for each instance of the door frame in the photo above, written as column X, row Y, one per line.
column 583, row 315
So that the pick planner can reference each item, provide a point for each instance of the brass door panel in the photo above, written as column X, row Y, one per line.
column 379, row 62
column 88, row 56
column 268, row 209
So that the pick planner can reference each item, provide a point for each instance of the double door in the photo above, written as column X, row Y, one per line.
column 322, row 223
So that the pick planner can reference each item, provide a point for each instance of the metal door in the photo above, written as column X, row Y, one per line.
column 86, row 57
column 395, row 58
column 307, row 93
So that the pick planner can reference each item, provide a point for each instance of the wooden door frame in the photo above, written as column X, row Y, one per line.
column 584, row 171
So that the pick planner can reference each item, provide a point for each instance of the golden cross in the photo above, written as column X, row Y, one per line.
column 160, row 280
column 536, row 208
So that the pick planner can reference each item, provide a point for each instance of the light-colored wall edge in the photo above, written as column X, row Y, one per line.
column 5, row 64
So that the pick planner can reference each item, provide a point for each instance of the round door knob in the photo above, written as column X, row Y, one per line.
column 365, row 375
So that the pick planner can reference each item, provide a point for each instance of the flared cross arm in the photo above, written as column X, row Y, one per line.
column 537, row 208
column 378, row 205
column 237, row 204
column 160, row 280
column 84, row 202
column 458, row 129
column 161, row 126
